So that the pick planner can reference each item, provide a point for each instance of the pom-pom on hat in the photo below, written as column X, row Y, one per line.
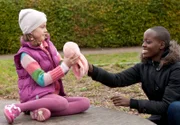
column 30, row 19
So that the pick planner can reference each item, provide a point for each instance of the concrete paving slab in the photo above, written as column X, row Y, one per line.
column 93, row 116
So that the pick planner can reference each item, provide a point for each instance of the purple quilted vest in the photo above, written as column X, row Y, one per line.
column 28, row 88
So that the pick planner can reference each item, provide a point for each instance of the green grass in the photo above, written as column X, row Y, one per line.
column 122, row 58
column 8, row 78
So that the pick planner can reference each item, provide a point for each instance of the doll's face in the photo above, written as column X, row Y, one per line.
column 71, row 48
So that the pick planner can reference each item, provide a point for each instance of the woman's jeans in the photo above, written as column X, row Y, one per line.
column 174, row 113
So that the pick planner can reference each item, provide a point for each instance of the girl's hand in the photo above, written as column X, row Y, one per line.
column 121, row 101
column 71, row 60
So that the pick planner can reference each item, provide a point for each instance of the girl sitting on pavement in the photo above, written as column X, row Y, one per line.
column 40, row 68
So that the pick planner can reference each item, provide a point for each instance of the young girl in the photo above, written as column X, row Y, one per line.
column 40, row 69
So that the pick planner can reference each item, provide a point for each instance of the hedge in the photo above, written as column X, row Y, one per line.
column 91, row 23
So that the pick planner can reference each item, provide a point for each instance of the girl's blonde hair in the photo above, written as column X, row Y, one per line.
column 28, row 37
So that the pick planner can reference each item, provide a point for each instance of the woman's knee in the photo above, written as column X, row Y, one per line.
column 174, row 107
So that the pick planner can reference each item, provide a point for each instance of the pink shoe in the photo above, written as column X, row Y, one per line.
column 41, row 114
column 11, row 112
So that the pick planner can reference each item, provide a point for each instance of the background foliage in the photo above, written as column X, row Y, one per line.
column 91, row 23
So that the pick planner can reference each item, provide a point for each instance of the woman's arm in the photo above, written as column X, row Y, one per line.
column 124, row 78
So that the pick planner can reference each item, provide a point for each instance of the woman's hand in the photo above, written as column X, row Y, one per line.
column 121, row 101
column 71, row 60
column 90, row 67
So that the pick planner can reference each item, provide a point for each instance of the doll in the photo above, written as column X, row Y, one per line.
column 81, row 67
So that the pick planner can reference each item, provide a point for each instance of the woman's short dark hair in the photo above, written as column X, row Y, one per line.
column 162, row 34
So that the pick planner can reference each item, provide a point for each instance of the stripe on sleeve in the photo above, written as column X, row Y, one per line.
column 33, row 66
column 38, row 76
column 26, row 60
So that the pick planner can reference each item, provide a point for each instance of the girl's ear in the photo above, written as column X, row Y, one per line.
column 30, row 37
column 162, row 44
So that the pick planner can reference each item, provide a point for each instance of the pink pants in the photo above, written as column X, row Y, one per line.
column 58, row 105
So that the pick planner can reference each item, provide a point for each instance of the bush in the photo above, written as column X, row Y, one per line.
column 91, row 23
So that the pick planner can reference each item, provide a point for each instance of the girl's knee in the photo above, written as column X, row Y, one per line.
column 63, row 103
column 85, row 103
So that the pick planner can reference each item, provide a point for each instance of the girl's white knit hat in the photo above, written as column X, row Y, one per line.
column 30, row 19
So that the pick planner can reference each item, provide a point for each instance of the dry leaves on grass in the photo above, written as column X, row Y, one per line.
column 99, row 94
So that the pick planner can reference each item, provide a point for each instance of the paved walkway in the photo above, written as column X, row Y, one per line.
column 94, row 51
column 93, row 116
